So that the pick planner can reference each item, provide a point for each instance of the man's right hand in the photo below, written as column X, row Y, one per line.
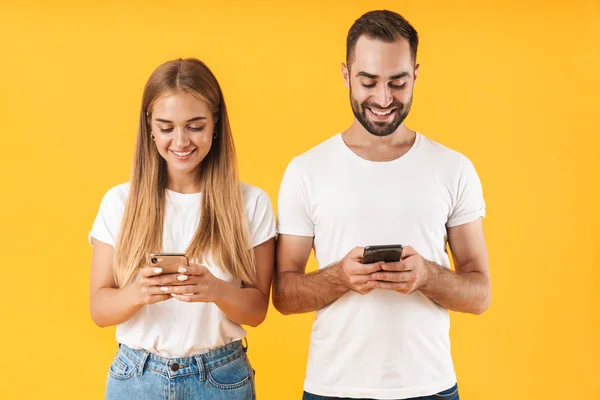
column 355, row 274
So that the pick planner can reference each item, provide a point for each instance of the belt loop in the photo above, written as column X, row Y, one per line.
column 142, row 362
column 245, row 346
column 201, row 369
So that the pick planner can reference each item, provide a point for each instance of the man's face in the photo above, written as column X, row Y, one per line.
column 381, row 79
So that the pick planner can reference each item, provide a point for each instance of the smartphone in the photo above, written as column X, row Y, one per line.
column 169, row 262
column 386, row 253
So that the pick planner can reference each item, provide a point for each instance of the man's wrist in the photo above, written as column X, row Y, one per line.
column 432, row 275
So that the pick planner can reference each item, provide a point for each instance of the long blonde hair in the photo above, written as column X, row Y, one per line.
column 223, row 229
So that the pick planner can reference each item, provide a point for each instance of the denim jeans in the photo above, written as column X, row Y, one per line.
column 448, row 394
column 222, row 374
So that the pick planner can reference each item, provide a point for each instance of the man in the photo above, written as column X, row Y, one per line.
column 381, row 329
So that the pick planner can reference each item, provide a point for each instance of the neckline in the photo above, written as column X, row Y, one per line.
column 349, row 152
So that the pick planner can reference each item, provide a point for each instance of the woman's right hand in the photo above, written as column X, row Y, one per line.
column 149, row 288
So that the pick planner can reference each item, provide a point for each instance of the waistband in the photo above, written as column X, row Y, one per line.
column 180, row 366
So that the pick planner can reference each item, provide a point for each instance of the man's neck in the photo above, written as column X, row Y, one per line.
column 357, row 135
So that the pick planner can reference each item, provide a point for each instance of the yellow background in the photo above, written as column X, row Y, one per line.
column 511, row 84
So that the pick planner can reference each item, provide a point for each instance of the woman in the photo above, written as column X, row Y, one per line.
column 180, row 334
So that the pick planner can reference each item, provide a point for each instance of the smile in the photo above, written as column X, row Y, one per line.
column 182, row 154
column 381, row 113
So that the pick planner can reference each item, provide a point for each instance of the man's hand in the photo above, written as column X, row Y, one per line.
column 409, row 274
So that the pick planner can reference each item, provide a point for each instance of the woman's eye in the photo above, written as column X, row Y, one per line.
column 166, row 130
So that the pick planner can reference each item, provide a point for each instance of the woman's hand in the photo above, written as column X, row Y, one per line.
column 150, row 286
column 196, row 284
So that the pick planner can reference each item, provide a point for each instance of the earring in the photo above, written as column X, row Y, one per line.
column 152, row 135
column 215, row 135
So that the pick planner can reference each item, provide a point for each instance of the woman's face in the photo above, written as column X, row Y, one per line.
column 183, row 128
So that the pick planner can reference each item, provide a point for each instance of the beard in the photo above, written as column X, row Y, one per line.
column 379, row 128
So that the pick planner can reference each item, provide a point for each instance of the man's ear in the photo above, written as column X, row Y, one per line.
column 346, row 76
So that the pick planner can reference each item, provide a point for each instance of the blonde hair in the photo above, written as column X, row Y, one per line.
column 223, row 228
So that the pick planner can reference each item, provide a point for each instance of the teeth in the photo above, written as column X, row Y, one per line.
column 179, row 154
column 382, row 113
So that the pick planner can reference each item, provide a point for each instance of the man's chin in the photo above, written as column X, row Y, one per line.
column 379, row 129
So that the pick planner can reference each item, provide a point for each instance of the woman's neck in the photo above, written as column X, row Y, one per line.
column 188, row 183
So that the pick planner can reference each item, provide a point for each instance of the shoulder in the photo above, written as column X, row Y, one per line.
column 442, row 153
column 323, row 152
column 255, row 199
column 251, row 193
column 116, row 196
column 443, row 157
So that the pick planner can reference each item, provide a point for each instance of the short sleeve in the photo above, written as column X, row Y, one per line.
column 108, row 220
column 293, row 207
column 468, row 201
column 262, row 223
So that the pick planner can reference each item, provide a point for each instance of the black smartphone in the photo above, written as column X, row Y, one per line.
column 386, row 253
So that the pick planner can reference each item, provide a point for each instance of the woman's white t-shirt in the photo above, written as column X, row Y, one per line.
column 173, row 328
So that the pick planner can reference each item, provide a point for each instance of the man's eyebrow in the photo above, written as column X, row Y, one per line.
column 392, row 78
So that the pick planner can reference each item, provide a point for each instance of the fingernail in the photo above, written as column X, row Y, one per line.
column 173, row 294
column 182, row 270
column 157, row 270
column 182, row 278
column 164, row 289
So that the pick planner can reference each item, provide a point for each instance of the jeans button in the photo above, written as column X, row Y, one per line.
column 174, row 367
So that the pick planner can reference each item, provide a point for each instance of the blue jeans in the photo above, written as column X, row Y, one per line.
column 448, row 394
column 222, row 374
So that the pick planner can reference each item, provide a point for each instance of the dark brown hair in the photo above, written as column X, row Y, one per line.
column 383, row 25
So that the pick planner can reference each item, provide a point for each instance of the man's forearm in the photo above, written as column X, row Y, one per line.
column 464, row 292
column 296, row 292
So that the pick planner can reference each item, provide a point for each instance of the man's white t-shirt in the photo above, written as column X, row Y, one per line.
column 173, row 328
column 384, row 344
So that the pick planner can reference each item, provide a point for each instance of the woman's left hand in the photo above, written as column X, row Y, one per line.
column 197, row 284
